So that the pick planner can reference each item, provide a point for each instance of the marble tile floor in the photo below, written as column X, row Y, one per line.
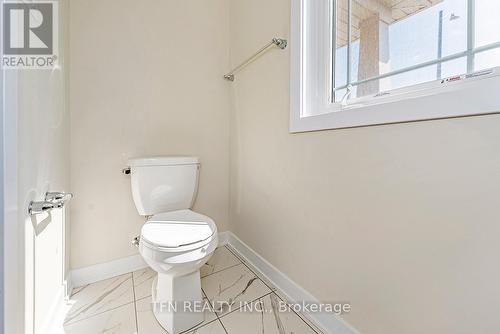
column 238, row 302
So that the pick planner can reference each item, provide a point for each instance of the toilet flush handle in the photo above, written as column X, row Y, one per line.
column 126, row 170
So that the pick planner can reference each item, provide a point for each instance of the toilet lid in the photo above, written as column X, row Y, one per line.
column 177, row 228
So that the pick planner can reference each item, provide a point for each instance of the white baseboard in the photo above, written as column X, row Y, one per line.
column 327, row 322
column 102, row 271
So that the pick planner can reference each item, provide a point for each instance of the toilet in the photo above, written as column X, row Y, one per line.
column 175, row 241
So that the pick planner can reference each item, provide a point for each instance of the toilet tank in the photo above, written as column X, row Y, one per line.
column 162, row 184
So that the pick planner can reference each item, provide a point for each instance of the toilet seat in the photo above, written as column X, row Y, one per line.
column 178, row 230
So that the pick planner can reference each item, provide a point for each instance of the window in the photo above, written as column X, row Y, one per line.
column 364, row 62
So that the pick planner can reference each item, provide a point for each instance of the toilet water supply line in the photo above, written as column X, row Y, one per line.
column 136, row 240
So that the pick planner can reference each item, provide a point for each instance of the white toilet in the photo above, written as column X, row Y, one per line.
column 174, row 241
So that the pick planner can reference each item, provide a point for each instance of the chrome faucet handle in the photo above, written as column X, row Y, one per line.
column 36, row 208
column 58, row 196
column 53, row 200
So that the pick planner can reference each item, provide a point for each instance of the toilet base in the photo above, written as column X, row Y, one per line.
column 174, row 299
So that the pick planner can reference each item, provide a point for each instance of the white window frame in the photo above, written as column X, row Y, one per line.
column 311, row 106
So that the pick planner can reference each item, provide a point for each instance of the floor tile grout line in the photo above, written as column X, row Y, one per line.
column 111, row 309
column 149, row 296
column 100, row 281
column 254, row 271
column 233, row 265
column 233, row 251
column 298, row 314
column 81, row 288
column 251, row 301
column 271, row 287
column 135, row 305
column 209, row 303
column 223, row 327
column 259, row 276
column 242, row 260
column 187, row 331
column 195, row 329
column 140, row 299
column 256, row 276
column 262, row 297
column 218, row 271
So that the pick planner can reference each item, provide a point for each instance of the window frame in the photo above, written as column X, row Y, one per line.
column 311, row 86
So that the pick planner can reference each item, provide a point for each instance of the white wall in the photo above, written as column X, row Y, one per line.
column 399, row 220
column 145, row 79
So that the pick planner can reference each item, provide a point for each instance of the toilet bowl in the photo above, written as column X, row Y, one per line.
column 176, row 245
column 175, row 241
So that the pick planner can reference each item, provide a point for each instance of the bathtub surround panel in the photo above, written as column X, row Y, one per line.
column 399, row 220
column 144, row 80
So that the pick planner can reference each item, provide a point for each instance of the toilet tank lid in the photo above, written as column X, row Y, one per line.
column 163, row 161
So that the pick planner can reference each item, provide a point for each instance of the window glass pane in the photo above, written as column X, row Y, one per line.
column 487, row 59
column 487, row 22
column 393, row 35
column 417, row 76
column 389, row 35
column 341, row 44
column 414, row 77
column 454, row 67
column 339, row 94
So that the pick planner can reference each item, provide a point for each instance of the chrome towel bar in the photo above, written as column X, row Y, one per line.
column 53, row 200
column 279, row 42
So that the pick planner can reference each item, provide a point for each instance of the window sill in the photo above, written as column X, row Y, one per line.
column 470, row 97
